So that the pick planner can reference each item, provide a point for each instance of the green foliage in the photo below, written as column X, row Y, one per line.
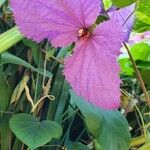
column 34, row 48
column 107, row 4
column 2, row 2
column 5, row 95
column 140, row 53
column 79, row 146
column 122, row 3
column 110, row 128
column 142, row 16
column 143, row 11
column 32, row 132
column 141, row 26
column 126, row 66
column 7, row 58
column 85, row 127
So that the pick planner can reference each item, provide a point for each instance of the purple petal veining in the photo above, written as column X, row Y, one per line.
column 125, row 16
column 92, row 70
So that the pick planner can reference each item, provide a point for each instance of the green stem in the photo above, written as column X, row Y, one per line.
column 9, row 38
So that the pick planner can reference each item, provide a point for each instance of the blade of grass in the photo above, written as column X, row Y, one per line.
column 7, row 58
column 62, row 102
column 5, row 94
column 56, row 91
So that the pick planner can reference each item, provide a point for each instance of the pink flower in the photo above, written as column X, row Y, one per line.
column 92, row 70
column 139, row 37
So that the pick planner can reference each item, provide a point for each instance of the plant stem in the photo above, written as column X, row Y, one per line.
column 139, row 77
column 9, row 38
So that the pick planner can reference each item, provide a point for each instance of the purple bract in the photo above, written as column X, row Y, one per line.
column 92, row 70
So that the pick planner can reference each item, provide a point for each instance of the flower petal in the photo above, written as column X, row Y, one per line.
column 85, row 10
column 125, row 16
column 40, row 19
column 93, row 71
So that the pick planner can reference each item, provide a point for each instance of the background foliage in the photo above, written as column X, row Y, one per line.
column 40, row 111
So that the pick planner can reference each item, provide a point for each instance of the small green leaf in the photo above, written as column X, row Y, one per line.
column 126, row 66
column 110, row 128
column 122, row 3
column 32, row 132
column 107, row 4
column 141, row 51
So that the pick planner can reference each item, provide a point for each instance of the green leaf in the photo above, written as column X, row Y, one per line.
column 110, row 128
column 122, row 3
column 143, row 11
column 143, row 64
column 142, row 22
column 7, row 58
column 141, row 51
column 100, row 19
column 6, row 89
column 141, row 26
column 79, row 146
column 32, row 132
column 9, row 38
column 2, row 2
column 107, row 4
column 141, row 54
column 145, row 70
column 125, row 65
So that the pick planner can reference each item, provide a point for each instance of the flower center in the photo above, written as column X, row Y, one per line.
column 83, row 32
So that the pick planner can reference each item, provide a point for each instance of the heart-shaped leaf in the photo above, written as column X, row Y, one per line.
column 32, row 132
column 110, row 128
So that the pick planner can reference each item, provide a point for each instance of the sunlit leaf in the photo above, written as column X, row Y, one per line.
column 122, row 3
column 143, row 11
column 141, row 51
column 126, row 66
